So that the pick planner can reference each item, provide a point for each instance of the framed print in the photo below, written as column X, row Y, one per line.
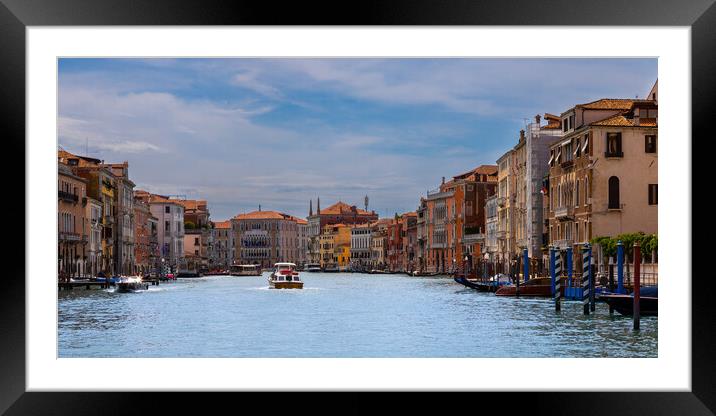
column 454, row 198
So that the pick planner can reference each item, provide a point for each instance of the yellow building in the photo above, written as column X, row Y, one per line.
column 335, row 250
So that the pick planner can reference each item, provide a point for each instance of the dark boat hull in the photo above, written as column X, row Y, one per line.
column 479, row 286
column 624, row 304
column 543, row 291
column 131, row 287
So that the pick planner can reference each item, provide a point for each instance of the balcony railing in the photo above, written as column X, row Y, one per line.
column 68, row 236
column 562, row 244
column 67, row 196
column 613, row 154
column 563, row 212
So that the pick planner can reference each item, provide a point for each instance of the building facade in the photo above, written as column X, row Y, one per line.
column 170, row 228
column 338, row 213
column 72, row 223
column 265, row 238
column 603, row 175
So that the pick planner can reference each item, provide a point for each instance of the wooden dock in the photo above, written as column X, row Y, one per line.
column 93, row 284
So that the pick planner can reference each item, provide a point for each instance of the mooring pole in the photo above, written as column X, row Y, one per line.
column 637, row 289
column 556, row 267
column 620, row 267
column 611, row 282
column 586, row 276
column 569, row 267
column 525, row 264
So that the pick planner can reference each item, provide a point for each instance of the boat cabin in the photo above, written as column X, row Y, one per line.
column 285, row 272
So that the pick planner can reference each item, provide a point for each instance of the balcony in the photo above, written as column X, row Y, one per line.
column 564, row 213
column 473, row 238
column 66, row 196
column 613, row 154
column 563, row 244
column 567, row 164
column 67, row 236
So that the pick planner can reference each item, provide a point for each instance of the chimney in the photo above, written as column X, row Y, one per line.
column 443, row 180
column 259, row 207
column 537, row 119
column 310, row 207
column 522, row 135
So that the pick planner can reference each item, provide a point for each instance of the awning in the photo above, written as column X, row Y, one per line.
column 586, row 143
column 568, row 141
column 559, row 153
column 551, row 158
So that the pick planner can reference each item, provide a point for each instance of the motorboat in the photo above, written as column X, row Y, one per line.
column 313, row 268
column 245, row 270
column 285, row 276
column 128, row 284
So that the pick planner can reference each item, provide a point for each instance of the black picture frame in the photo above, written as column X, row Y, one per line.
column 16, row 15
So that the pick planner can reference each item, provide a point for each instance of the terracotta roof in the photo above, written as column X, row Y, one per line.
column 620, row 120
column 608, row 104
column 552, row 125
column 222, row 225
column 343, row 208
column 191, row 204
column 263, row 215
column 617, row 120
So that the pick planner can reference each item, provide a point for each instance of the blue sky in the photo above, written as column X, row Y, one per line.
column 278, row 132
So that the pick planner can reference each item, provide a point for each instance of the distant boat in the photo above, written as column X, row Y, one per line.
column 313, row 267
column 538, row 287
column 245, row 270
column 285, row 276
column 128, row 284
column 624, row 304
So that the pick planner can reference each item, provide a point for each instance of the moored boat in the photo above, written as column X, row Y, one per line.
column 537, row 287
column 313, row 268
column 285, row 276
column 624, row 304
column 128, row 284
column 245, row 270
column 489, row 285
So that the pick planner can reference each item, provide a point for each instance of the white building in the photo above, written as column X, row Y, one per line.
column 170, row 227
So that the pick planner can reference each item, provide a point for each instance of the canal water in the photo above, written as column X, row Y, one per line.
column 337, row 315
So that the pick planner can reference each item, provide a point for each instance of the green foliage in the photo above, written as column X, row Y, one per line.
column 647, row 242
column 188, row 225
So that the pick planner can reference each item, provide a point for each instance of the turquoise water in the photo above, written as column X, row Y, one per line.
column 337, row 315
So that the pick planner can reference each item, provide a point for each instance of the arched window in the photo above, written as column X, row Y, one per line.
column 614, row 193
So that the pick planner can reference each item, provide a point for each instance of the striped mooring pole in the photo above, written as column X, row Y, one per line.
column 637, row 286
column 569, row 267
column 586, row 275
column 556, row 267
column 620, row 267
column 525, row 264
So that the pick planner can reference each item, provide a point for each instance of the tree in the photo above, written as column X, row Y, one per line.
column 188, row 225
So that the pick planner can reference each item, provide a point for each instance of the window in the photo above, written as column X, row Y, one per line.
column 196, row 241
column 650, row 144
column 166, row 209
column 614, row 145
column 578, row 148
column 653, row 191
column 614, row 193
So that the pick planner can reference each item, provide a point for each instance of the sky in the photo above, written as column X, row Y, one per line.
column 244, row 132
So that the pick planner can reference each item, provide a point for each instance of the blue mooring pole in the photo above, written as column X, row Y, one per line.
column 556, row 267
column 569, row 266
column 586, row 275
column 620, row 267
column 526, row 264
